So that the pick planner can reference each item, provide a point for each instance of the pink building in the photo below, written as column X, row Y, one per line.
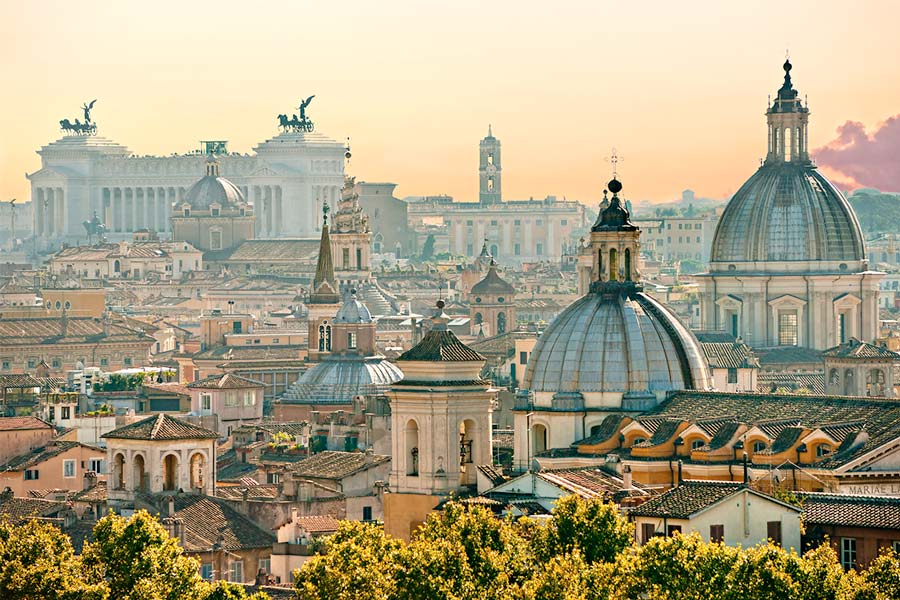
column 233, row 399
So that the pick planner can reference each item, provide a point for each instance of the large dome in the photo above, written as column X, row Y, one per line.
column 339, row 379
column 787, row 212
column 213, row 189
column 623, row 343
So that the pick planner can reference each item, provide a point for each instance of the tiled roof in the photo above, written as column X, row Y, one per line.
column 729, row 356
column 687, row 499
column 494, row 475
column 493, row 284
column 39, row 455
column 235, row 471
column 857, row 349
column 170, row 388
column 22, row 423
column 850, row 511
column 161, row 427
column 79, row 330
column 607, row 428
column 318, row 524
column 440, row 346
column 228, row 381
column 723, row 435
column 256, row 353
column 663, row 433
column 21, row 509
column 277, row 250
column 335, row 465
column 786, row 355
column 236, row 492
column 94, row 494
column 786, row 439
column 767, row 382
column 206, row 519
column 587, row 482
column 19, row 380
column 777, row 412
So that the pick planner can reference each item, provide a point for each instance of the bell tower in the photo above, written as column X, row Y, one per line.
column 615, row 246
column 788, row 125
column 489, row 169
column 324, row 298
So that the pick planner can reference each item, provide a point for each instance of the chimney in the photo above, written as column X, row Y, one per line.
column 680, row 473
column 293, row 514
column 90, row 480
column 171, row 506
column 245, row 501
column 626, row 478
column 370, row 456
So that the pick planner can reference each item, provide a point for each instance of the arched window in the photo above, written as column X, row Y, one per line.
column 501, row 323
column 412, row 447
column 479, row 319
column 834, row 377
column 170, row 473
column 697, row 444
column 494, row 250
column 117, row 267
column 198, row 467
column 613, row 265
column 627, row 264
column 600, row 265
column 849, row 390
column 759, row 446
column 139, row 474
column 875, row 382
column 538, row 439
column 119, row 472
column 324, row 337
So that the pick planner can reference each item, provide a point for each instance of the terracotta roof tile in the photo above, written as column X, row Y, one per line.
column 335, row 465
column 687, row 499
column 22, row 423
column 206, row 519
column 161, row 427
column 850, row 511
column 441, row 346
column 318, row 524
column 228, row 381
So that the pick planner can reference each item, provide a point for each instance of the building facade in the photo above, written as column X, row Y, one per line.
column 287, row 178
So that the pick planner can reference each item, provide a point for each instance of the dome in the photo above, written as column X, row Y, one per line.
column 213, row 189
column 626, row 343
column 353, row 311
column 787, row 212
column 339, row 379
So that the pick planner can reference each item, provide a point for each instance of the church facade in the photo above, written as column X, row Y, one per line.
column 287, row 179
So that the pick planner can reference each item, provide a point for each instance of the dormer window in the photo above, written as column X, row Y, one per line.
column 215, row 211
column 187, row 211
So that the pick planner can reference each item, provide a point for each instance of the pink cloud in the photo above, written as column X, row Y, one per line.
column 859, row 159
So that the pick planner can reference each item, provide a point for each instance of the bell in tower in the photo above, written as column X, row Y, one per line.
column 489, row 169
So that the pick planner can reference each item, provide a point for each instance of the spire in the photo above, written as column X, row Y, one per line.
column 490, row 133
column 324, row 287
column 615, row 216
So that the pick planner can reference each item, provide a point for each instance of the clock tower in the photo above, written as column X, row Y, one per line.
column 489, row 169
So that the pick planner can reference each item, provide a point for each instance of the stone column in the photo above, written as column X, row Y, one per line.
column 38, row 211
column 62, row 221
column 279, row 212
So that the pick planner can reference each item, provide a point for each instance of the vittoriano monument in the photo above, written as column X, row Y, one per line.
column 79, row 128
column 295, row 124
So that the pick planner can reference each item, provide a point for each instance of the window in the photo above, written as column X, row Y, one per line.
column 367, row 513
column 698, row 239
column 523, row 358
column 206, row 571
column 273, row 478
column 734, row 324
column 205, row 401
column 787, row 328
column 493, row 222
column 127, row 361
column 842, row 328
column 470, row 250
column 66, row 412
column 359, row 264
column 56, row 363
column 697, row 444
column 345, row 256
column 517, row 249
column 773, row 532
column 717, row 533
column 236, row 571
column 648, row 530
column 32, row 363
column 231, row 399
column 249, row 398
column 68, row 468
column 732, row 375
column 848, row 553
column 517, row 222
column 469, row 222
column 539, row 249
column 823, row 450
column 490, row 158
column 265, row 565
column 215, row 240
column 563, row 222
column 96, row 465
column 351, row 341
column 6, row 365
column 58, row 305
column 759, row 446
column 215, row 211
column 490, row 183
column 187, row 212
column 104, row 362
column 673, row 529
column 31, row 474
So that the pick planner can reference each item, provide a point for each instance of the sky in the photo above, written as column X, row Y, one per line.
column 678, row 88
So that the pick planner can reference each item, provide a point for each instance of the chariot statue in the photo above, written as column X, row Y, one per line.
column 89, row 127
column 297, row 124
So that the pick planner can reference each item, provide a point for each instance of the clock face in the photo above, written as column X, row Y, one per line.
column 490, row 169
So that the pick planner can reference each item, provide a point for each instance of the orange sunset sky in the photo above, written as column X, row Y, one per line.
column 678, row 87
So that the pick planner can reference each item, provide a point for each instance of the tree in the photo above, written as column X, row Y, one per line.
column 139, row 561
column 881, row 581
column 464, row 552
column 428, row 247
column 359, row 563
column 222, row 590
column 37, row 562
column 592, row 527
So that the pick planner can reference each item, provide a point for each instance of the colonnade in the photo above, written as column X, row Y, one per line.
column 268, row 206
column 50, row 219
column 131, row 208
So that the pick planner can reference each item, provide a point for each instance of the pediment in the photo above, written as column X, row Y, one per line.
column 787, row 300
column 264, row 172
